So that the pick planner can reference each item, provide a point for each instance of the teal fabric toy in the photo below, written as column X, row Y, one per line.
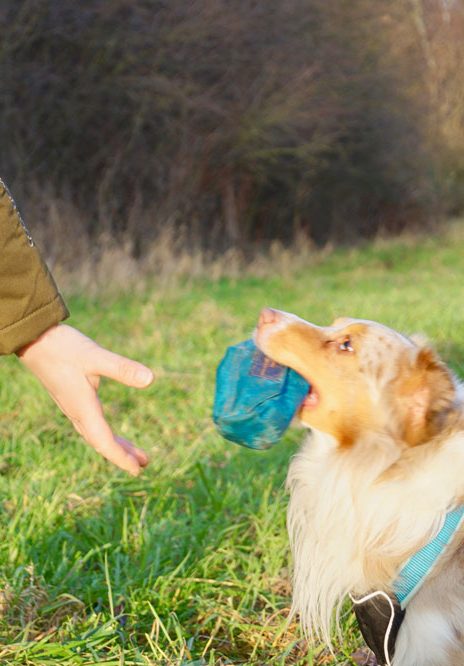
column 255, row 398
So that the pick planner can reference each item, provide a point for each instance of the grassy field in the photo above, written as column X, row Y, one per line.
column 188, row 564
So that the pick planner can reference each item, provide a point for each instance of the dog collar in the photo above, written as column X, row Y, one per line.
column 422, row 563
column 379, row 614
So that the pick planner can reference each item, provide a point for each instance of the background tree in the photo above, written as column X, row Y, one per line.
column 239, row 121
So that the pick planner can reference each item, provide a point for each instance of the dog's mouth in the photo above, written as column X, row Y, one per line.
column 311, row 400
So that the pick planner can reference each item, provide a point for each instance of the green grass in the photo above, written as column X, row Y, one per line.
column 187, row 564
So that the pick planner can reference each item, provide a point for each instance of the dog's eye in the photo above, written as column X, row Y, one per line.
column 346, row 346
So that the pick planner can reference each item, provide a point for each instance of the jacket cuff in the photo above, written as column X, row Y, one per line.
column 26, row 330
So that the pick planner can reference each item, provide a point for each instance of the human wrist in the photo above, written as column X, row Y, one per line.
column 23, row 351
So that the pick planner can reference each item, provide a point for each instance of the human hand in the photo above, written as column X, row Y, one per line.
column 69, row 365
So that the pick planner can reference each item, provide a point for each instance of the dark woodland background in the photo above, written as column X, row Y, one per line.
column 233, row 122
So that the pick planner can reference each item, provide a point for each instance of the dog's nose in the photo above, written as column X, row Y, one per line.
column 268, row 316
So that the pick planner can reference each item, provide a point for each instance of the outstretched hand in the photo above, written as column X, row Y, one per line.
column 69, row 365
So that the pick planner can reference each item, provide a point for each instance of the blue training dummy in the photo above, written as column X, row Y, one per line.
column 256, row 398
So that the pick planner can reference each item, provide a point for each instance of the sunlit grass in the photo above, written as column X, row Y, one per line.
column 189, row 563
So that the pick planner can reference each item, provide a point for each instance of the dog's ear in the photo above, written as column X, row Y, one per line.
column 420, row 340
column 428, row 394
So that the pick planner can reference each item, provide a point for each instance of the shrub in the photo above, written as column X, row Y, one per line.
column 238, row 121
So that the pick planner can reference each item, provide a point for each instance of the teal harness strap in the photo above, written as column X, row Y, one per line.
column 419, row 566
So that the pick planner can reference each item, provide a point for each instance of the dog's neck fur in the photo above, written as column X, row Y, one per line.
column 355, row 516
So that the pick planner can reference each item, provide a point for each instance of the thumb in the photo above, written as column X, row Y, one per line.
column 120, row 368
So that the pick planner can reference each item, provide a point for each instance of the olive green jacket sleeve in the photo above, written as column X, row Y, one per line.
column 29, row 300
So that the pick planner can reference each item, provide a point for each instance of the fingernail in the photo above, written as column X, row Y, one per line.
column 144, row 376
column 134, row 470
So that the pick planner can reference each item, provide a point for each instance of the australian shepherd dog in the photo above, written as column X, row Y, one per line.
column 381, row 468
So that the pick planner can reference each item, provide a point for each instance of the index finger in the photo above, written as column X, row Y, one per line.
column 91, row 424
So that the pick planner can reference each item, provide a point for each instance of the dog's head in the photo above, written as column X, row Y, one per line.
column 364, row 377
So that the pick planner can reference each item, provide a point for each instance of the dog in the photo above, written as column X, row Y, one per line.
column 374, row 482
